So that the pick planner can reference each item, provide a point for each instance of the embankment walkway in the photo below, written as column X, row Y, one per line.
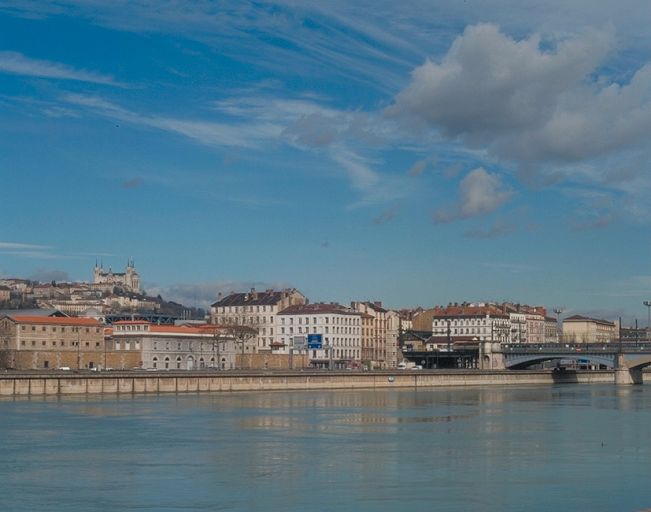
column 67, row 383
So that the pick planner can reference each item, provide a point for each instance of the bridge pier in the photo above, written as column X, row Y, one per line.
column 491, row 356
column 625, row 376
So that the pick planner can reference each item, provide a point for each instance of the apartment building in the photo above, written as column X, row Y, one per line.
column 470, row 323
column 257, row 310
column 374, row 333
column 335, row 327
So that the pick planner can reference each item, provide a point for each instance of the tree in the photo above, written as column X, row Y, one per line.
column 241, row 335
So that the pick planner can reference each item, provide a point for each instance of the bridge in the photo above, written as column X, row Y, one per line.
column 627, row 359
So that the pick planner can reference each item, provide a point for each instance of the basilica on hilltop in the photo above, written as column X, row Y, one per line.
column 128, row 280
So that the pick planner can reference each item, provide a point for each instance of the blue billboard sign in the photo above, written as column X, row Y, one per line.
column 314, row 341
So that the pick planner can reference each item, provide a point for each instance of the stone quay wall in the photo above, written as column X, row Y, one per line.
column 191, row 382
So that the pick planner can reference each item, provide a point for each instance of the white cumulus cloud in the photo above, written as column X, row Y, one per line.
column 480, row 193
column 528, row 104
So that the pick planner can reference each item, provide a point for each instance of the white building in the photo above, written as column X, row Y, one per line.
column 470, row 323
column 257, row 310
column 337, row 327
column 176, row 347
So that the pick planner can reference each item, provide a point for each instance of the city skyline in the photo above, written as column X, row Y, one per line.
column 420, row 154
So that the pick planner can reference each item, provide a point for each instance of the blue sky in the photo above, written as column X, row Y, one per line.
column 419, row 154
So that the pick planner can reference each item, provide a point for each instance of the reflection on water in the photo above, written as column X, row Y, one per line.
column 494, row 449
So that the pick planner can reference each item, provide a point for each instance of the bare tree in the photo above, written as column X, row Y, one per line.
column 241, row 335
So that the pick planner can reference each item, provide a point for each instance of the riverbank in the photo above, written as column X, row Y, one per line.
column 65, row 383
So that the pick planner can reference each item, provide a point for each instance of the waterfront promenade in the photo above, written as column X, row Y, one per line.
column 131, row 382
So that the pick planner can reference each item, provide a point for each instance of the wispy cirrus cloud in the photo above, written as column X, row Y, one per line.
column 13, row 246
column 16, row 63
column 210, row 133
column 252, row 123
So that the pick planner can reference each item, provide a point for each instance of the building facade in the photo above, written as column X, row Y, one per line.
column 551, row 330
column 338, row 328
column 374, row 333
column 175, row 347
column 44, row 342
column 394, row 328
column 257, row 310
column 582, row 329
column 471, row 323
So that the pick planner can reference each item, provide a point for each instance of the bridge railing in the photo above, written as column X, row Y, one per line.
column 570, row 348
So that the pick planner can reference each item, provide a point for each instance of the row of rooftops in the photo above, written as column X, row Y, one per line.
column 318, row 308
column 268, row 297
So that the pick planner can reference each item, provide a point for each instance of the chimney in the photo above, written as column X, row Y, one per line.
column 219, row 296
column 378, row 303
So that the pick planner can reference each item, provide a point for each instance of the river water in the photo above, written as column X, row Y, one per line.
column 566, row 447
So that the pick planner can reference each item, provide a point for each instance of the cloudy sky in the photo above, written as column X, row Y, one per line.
column 418, row 152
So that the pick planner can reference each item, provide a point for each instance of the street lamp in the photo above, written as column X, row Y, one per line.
column 647, row 303
column 558, row 312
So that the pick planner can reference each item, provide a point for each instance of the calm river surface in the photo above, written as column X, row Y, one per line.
column 567, row 448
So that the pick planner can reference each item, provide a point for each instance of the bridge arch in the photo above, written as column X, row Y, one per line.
column 522, row 361
column 639, row 362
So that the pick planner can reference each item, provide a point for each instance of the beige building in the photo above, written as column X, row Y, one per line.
column 582, row 329
column 394, row 326
column 32, row 342
column 422, row 320
column 551, row 330
column 257, row 310
column 374, row 333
